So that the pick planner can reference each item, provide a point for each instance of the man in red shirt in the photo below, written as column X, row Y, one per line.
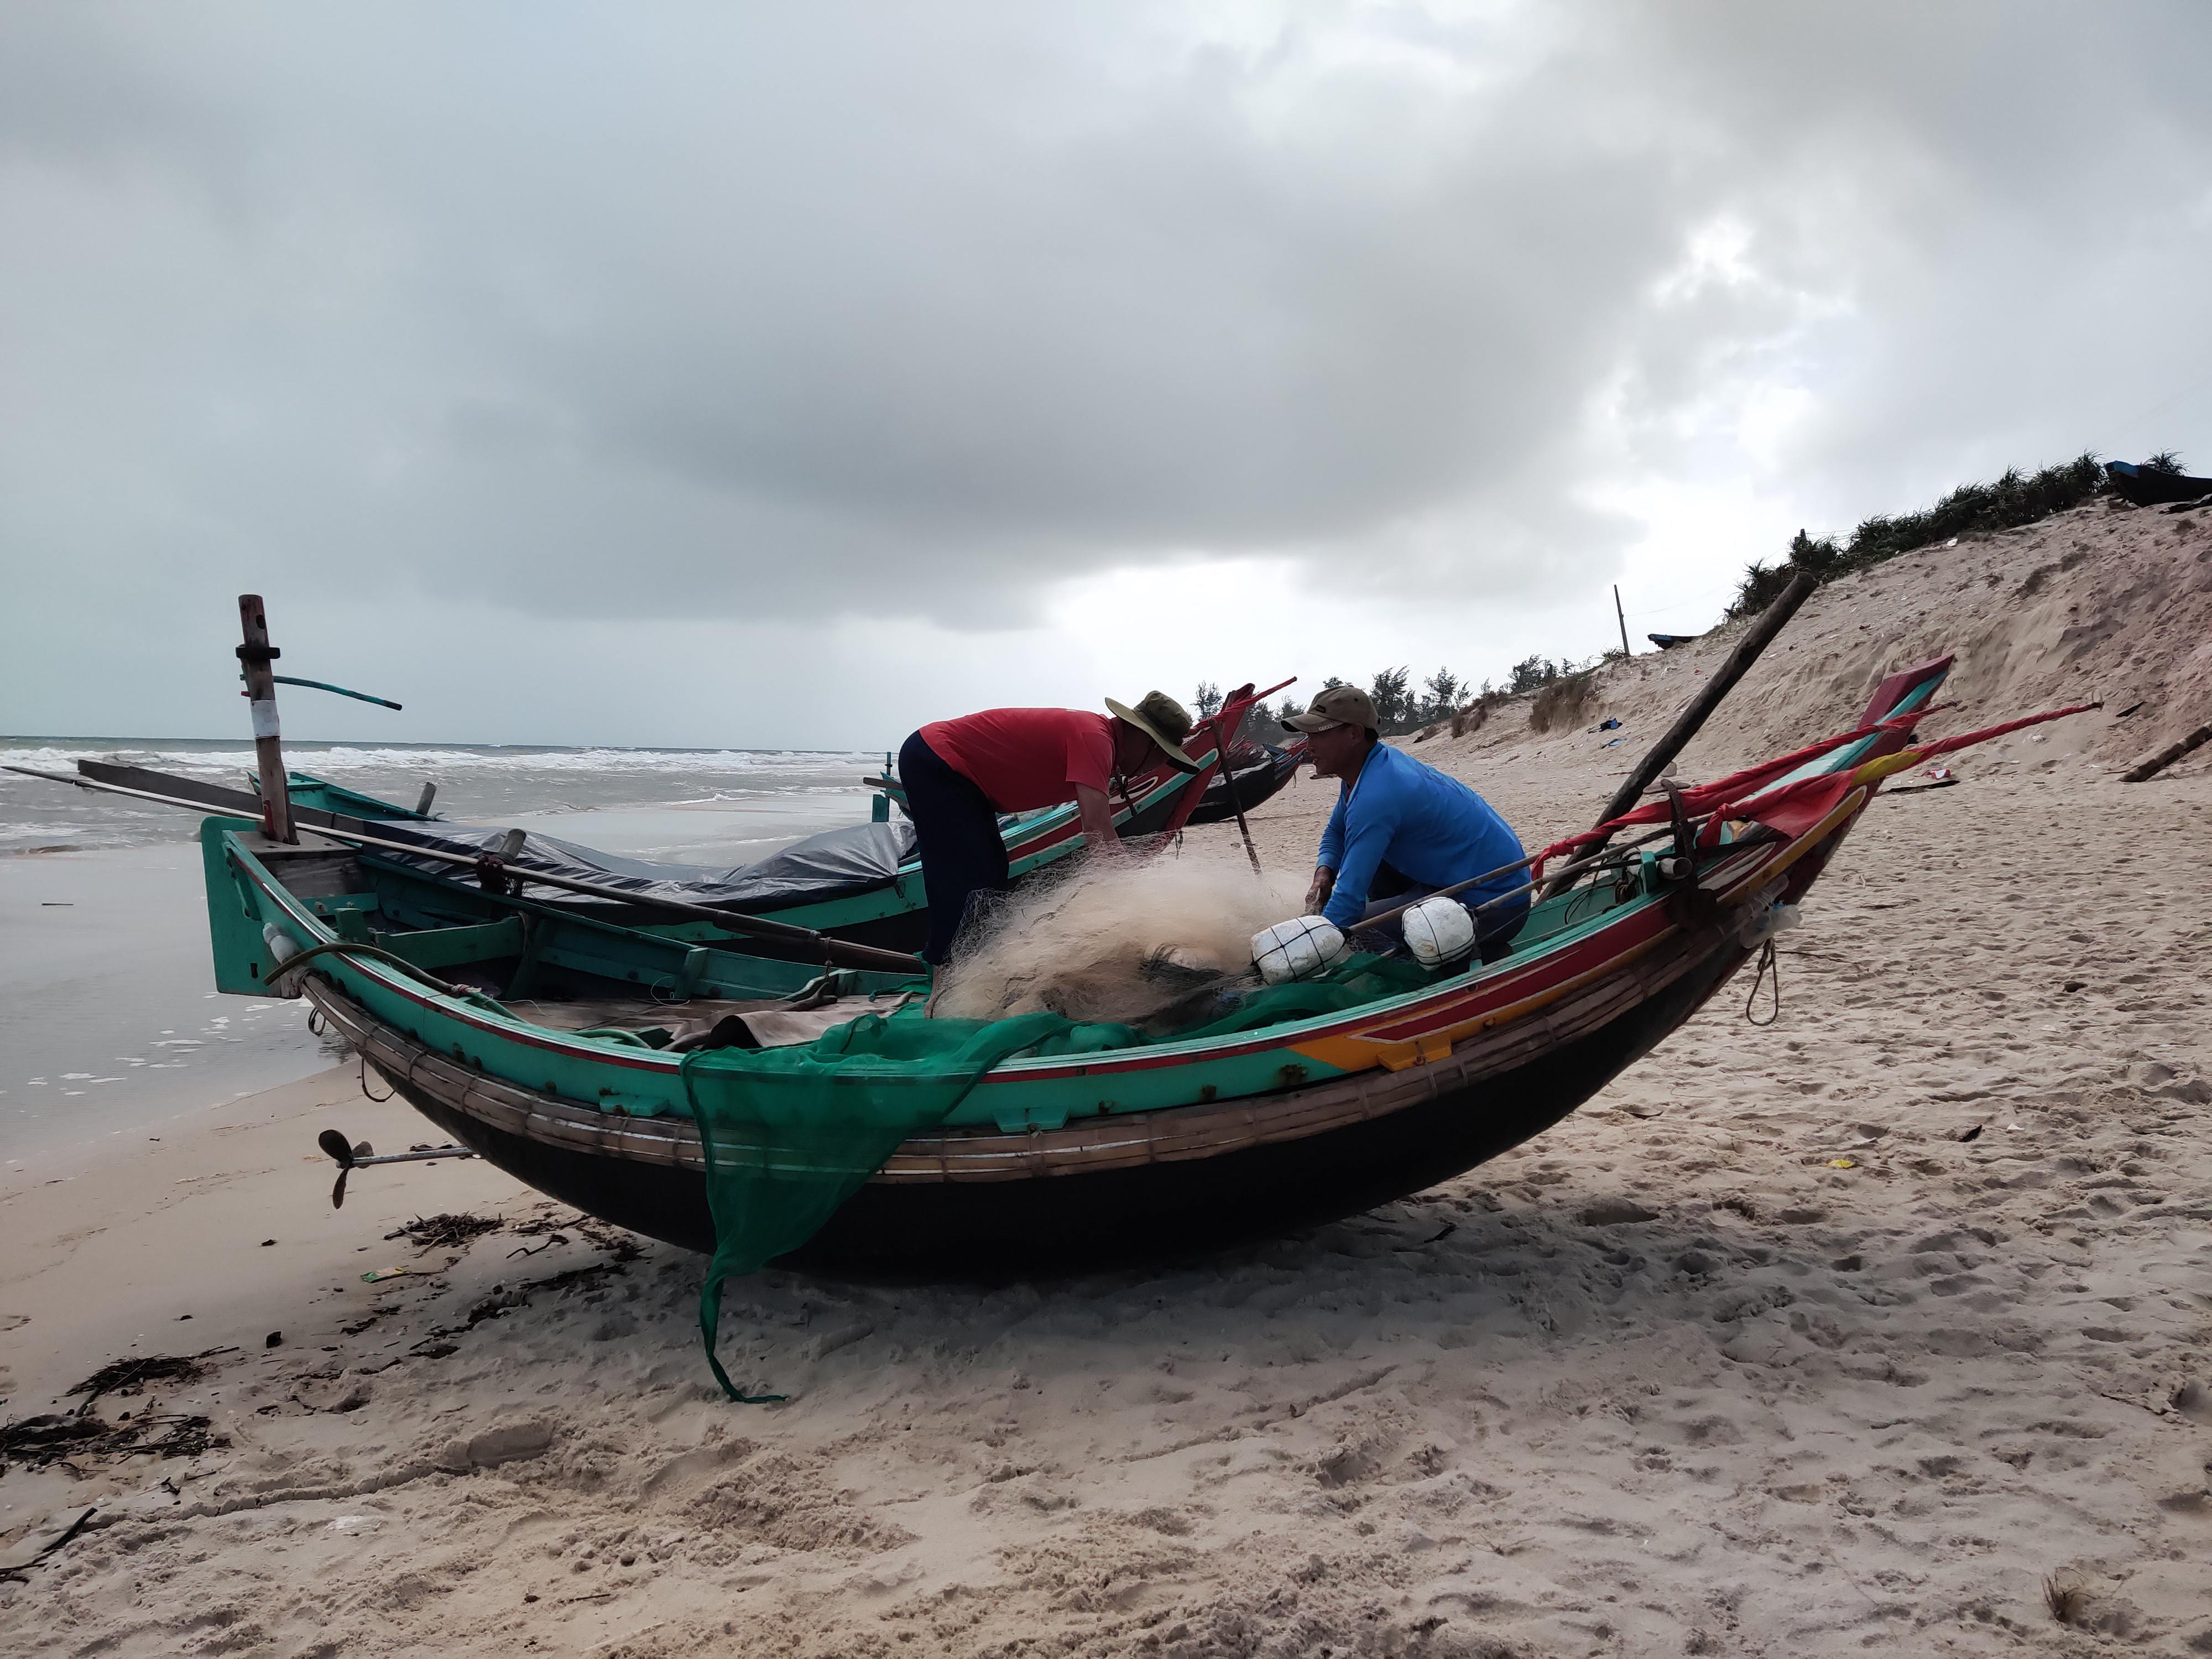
column 959, row 775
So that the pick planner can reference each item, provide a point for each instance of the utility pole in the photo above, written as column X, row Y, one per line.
column 257, row 653
column 1623, row 617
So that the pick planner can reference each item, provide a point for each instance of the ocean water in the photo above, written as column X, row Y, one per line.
column 704, row 805
column 110, row 1024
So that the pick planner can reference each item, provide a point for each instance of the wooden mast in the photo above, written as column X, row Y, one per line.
column 257, row 653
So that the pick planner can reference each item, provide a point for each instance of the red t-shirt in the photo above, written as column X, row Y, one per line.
column 1025, row 758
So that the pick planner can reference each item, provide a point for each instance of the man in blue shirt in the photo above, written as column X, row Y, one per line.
column 1401, row 828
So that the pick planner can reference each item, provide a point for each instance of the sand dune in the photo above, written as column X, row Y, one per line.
column 1842, row 1334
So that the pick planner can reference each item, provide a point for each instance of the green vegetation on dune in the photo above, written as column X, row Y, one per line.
column 2014, row 498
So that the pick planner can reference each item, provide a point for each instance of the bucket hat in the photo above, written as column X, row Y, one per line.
column 1163, row 719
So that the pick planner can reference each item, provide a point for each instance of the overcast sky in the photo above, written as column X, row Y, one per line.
column 788, row 376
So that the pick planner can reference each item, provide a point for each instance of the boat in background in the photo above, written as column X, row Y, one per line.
column 861, row 883
column 2155, row 485
column 1249, row 783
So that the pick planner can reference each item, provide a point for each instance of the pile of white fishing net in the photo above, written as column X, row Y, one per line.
column 1150, row 940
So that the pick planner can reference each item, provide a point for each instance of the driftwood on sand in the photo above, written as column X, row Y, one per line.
column 2144, row 771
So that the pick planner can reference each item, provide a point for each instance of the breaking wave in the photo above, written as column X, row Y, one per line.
column 343, row 758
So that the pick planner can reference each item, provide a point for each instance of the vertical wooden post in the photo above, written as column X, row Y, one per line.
column 1623, row 617
column 1229, row 782
column 257, row 653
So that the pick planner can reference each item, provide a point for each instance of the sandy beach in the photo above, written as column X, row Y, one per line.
column 1874, row 1329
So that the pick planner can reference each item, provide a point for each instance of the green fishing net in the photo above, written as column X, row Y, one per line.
column 1353, row 983
column 790, row 1134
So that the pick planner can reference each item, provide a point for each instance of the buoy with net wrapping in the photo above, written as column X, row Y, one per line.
column 1439, row 930
column 1296, row 949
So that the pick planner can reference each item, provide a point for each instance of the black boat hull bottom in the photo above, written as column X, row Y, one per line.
column 1068, row 1222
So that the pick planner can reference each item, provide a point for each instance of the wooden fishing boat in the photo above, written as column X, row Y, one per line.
column 1255, row 776
column 467, row 1001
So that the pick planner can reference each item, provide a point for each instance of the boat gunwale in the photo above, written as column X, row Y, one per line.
column 1097, row 1143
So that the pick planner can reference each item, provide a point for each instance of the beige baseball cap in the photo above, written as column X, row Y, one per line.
column 1340, row 705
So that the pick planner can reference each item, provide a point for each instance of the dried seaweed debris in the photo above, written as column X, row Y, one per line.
column 59, row 1438
column 131, row 1375
column 447, row 1231
column 618, row 1245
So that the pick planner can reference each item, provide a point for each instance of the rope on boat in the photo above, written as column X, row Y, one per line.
column 614, row 1034
column 377, row 1100
column 377, row 952
column 1770, row 967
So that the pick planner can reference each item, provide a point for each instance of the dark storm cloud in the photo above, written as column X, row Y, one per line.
column 657, row 313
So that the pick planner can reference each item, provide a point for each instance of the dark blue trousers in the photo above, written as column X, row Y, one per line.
column 958, row 827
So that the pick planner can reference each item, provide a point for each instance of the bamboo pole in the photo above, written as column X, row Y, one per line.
column 1562, row 876
column 1229, row 783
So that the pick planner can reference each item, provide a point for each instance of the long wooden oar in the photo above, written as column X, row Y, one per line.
column 836, row 952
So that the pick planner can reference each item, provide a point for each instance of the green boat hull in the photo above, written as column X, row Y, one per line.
column 1012, row 1228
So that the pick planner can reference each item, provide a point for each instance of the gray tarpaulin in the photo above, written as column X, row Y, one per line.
column 856, row 860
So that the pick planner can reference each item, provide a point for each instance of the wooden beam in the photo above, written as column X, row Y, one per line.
column 216, row 797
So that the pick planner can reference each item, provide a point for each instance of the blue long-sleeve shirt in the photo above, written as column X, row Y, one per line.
column 1431, row 829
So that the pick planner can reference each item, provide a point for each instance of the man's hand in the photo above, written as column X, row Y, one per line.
column 1324, row 884
column 1098, row 815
